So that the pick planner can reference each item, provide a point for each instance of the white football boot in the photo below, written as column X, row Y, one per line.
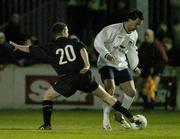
column 120, row 119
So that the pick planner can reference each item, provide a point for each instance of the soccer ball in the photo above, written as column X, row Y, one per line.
column 140, row 124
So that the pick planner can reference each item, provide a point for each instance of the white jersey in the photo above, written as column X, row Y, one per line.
column 114, row 39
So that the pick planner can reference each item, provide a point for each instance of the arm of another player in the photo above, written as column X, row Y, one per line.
column 36, row 52
column 99, row 41
column 133, row 59
column 23, row 48
column 85, row 58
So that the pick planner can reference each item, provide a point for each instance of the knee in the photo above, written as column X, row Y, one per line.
column 47, row 95
column 110, row 100
column 132, row 93
column 110, row 89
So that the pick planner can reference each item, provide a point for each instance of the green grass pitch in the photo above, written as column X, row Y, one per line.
column 84, row 124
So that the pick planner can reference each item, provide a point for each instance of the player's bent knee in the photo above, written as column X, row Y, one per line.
column 109, row 100
column 132, row 93
column 49, row 94
column 110, row 91
column 103, row 95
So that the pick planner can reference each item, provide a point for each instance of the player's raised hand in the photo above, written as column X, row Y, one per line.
column 84, row 70
column 24, row 48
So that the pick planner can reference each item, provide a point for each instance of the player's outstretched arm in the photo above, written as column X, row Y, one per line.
column 85, row 58
column 23, row 48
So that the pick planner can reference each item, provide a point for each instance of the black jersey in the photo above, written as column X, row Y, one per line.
column 63, row 54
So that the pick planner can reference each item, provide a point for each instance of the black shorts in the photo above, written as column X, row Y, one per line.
column 108, row 72
column 69, row 84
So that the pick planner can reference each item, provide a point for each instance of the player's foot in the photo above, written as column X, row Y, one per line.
column 45, row 127
column 107, row 127
column 120, row 119
column 106, row 123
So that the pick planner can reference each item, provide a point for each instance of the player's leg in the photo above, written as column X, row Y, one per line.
column 62, row 87
column 88, row 84
column 129, row 93
column 156, row 79
column 47, row 107
column 121, row 78
column 109, row 86
column 129, row 90
column 146, row 71
column 113, row 102
column 140, row 84
column 107, row 76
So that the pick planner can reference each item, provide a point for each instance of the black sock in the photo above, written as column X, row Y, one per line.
column 47, row 108
column 117, row 106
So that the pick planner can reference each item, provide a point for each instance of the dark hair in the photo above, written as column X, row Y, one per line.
column 57, row 28
column 135, row 14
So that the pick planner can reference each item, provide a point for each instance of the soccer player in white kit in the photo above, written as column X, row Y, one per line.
column 116, row 45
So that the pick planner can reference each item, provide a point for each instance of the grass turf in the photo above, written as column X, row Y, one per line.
column 84, row 124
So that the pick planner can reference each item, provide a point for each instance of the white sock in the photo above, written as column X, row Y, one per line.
column 106, row 111
column 127, row 101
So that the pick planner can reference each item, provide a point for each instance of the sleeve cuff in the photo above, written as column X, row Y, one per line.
column 105, row 53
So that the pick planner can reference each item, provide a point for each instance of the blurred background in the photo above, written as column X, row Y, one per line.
column 23, row 79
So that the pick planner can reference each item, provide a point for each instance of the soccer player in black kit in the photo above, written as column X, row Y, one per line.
column 70, row 60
